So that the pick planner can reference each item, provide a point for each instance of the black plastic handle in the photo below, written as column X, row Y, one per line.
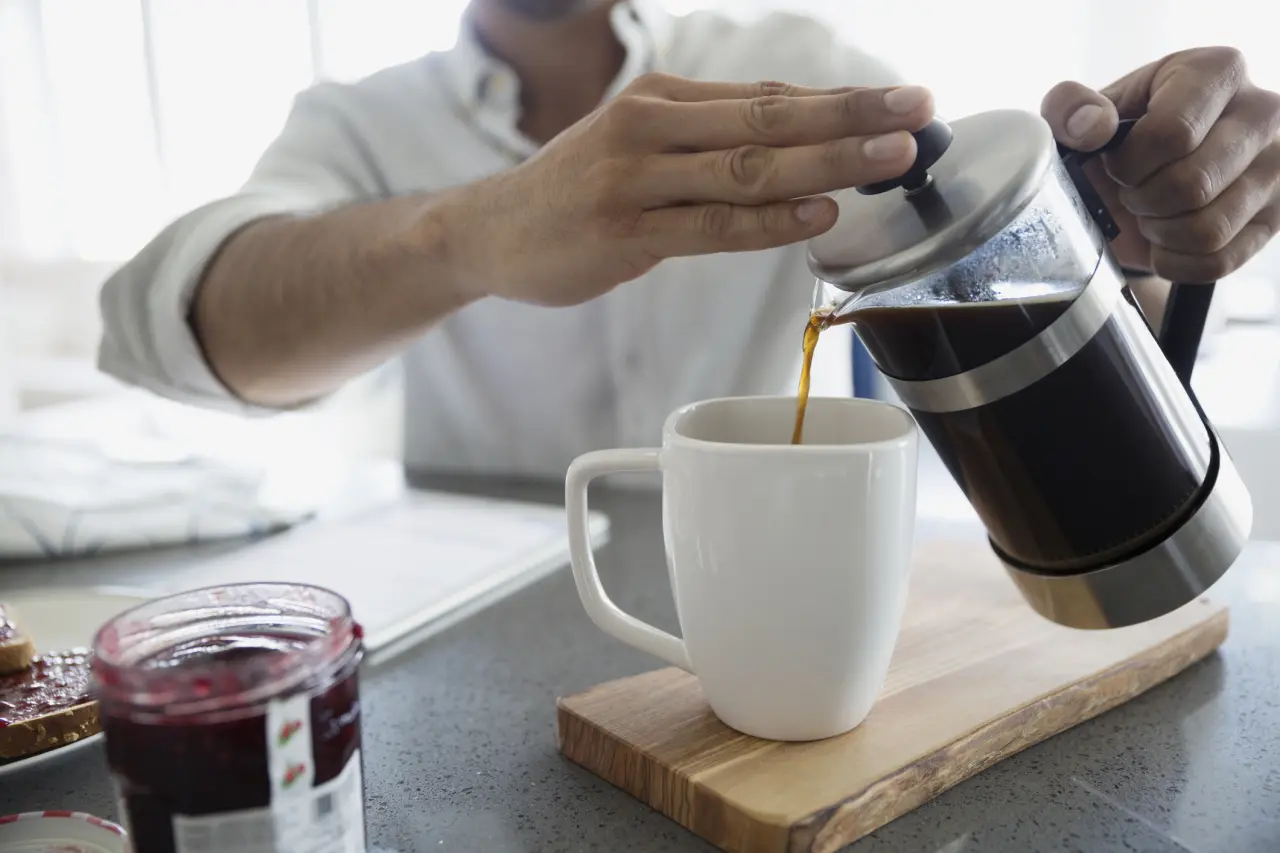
column 1187, row 307
column 932, row 141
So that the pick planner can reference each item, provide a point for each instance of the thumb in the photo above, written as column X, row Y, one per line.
column 1080, row 117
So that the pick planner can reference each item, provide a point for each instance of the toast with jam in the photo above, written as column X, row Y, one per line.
column 44, row 699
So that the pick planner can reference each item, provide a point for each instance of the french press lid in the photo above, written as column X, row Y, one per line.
column 969, row 181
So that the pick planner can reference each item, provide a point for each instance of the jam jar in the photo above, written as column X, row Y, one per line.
column 232, row 720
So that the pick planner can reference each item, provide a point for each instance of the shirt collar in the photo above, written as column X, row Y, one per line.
column 481, row 82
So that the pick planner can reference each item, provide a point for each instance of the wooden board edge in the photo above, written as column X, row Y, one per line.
column 591, row 747
column 588, row 745
column 837, row 826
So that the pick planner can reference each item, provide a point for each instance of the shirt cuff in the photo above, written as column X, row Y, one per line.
column 179, row 369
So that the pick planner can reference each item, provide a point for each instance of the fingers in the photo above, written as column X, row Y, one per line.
column 710, row 228
column 1248, row 126
column 1204, row 268
column 775, row 120
column 1187, row 94
column 1199, row 175
column 1211, row 228
column 686, row 90
column 757, row 174
column 1079, row 117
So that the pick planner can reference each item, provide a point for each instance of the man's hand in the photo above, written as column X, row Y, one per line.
column 676, row 167
column 1196, row 186
column 293, row 306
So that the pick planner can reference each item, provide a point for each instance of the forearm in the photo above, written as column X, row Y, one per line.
column 292, row 307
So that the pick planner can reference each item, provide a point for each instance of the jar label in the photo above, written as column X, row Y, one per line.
column 290, row 760
column 326, row 819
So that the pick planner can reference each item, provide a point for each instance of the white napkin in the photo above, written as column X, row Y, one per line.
column 64, row 499
column 131, row 472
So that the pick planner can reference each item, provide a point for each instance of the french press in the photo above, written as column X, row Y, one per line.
column 983, row 287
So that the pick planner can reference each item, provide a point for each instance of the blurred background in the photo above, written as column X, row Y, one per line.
column 116, row 115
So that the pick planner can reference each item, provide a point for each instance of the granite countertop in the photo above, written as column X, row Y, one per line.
column 460, row 747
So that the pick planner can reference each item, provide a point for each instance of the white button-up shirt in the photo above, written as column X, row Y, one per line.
column 501, row 386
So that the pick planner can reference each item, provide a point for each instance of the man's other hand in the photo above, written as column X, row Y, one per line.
column 1196, row 186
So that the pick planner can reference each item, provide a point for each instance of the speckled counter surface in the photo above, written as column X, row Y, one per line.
column 460, row 749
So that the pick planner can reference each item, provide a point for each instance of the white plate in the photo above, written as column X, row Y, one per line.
column 60, row 832
column 49, row 756
column 63, row 619
column 60, row 620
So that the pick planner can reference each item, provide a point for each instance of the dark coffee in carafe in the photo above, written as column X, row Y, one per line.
column 934, row 341
column 1080, row 467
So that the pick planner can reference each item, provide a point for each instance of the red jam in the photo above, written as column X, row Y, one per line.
column 53, row 682
column 216, row 703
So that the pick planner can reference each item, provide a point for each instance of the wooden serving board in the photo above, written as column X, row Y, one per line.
column 976, row 677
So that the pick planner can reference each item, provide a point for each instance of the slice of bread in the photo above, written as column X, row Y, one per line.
column 16, row 649
column 46, row 705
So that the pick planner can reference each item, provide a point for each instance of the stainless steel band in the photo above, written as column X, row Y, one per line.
column 1027, row 364
column 1165, row 577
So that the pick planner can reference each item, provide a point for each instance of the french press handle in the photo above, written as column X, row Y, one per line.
column 1187, row 307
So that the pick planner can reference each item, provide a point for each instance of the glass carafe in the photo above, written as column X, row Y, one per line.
column 984, row 290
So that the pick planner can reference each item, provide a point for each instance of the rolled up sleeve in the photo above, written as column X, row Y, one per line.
column 316, row 163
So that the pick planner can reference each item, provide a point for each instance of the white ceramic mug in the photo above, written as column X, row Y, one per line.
column 789, row 563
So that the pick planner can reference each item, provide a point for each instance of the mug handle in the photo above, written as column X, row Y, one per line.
column 607, row 616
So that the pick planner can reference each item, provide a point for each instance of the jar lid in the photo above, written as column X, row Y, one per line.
column 60, row 832
column 977, row 184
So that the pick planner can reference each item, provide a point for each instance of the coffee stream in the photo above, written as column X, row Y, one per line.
column 812, row 330
column 819, row 320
